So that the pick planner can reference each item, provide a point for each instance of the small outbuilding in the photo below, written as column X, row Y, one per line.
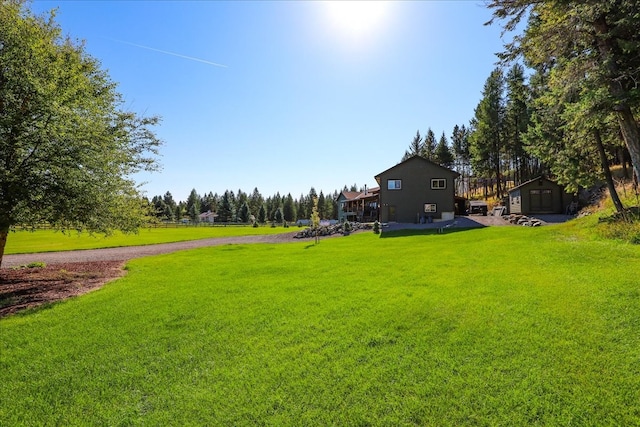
column 539, row 196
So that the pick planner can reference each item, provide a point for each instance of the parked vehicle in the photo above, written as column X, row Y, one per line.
column 477, row 207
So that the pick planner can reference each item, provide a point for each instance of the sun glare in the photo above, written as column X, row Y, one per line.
column 356, row 20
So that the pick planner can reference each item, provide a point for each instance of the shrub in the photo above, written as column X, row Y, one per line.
column 36, row 264
column 346, row 228
column 621, row 226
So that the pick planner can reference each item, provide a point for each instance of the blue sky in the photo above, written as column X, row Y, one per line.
column 285, row 96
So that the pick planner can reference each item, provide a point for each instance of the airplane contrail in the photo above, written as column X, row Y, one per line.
column 166, row 52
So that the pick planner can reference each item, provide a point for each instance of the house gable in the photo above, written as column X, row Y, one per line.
column 416, row 190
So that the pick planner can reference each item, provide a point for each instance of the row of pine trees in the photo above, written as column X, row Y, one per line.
column 242, row 207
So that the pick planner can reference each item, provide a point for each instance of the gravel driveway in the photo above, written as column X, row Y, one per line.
column 131, row 252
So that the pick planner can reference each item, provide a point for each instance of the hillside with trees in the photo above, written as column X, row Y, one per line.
column 582, row 94
column 562, row 101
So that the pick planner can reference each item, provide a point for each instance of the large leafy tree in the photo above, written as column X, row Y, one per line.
column 67, row 148
column 574, row 39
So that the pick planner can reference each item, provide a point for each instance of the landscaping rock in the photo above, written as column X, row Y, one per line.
column 523, row 220
column 328, row 230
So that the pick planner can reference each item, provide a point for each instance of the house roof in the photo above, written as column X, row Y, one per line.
column 358, row 195
column 350, row 195
column 208, row 214
column 418, row 159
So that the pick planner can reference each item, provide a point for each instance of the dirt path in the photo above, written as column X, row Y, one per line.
column 131, row 252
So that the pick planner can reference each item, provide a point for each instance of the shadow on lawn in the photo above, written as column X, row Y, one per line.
column 422, row 232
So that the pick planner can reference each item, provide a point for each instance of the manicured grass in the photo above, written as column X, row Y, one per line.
column 50, row 241
column 498, row 326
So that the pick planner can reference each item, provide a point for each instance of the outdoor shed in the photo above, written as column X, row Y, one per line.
column 538, row 196
column 417, row 190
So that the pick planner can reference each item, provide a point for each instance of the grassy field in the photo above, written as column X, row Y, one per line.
column 500, row 326
column 50, row 241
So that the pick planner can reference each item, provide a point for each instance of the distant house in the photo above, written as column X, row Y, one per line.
column 208, row 217
column 416, row 190
column 359, row 206
column 539, row 196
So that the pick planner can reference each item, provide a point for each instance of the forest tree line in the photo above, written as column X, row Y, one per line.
column 242, row 207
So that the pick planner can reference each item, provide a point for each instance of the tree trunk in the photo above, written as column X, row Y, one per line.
column 628, row 124
column 631, row 135
column 607, row 172
column 622, row 157
column 4, row 233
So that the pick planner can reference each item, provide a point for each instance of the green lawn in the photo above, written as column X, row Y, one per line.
column 49, row 241
column 506, row 326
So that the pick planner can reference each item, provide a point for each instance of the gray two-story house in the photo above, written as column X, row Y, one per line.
column 416, row 190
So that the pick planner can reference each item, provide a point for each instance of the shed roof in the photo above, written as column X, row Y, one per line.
column 524, row 184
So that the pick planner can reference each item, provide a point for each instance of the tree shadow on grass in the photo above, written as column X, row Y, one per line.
column 423, row 232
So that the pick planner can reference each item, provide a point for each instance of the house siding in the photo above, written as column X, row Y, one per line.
column 407, row 203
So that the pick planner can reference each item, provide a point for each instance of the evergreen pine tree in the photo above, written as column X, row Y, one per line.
column 255, row 201
column 415, row 148
column 225, row 210
column 443, row 155
column 193, row 205
column 429, row 145
column 278, row 217
column 289, row 209
column 262, row 214
column 321, row 206
column 487, row 135
column 244, row 214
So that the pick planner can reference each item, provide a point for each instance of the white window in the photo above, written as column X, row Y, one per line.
column 394, row 184
column 430, row 207
column 438, row 184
